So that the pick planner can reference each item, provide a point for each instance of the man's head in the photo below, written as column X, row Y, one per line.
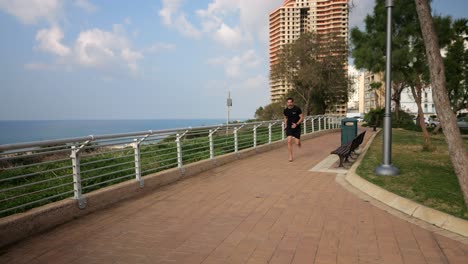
column 290, row 102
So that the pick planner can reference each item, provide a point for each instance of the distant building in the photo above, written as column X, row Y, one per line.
column 408, row 104
column 374, row 91
column 353, row 97
column 361, row 88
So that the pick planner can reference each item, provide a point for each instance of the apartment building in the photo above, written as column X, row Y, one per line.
column 374, row 90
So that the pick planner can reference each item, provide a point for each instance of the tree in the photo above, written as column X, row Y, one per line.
column 397, row 89
column 456, row 68
column 272, row 111
column 458, row 154
column 409, row 64
column 456, row 65
column 416, row 91
column 315, row 66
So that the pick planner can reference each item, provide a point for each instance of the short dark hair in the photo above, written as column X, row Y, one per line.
column 290, row 98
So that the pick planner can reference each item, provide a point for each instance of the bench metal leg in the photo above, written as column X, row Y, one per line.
column 341, row 162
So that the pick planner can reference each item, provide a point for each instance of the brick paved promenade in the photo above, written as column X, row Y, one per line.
column 262, row 209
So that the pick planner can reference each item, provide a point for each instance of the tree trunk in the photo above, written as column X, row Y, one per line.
column 458, row 155
column 307, row 108
column 436, row 129
column 417, row 92
column 396, row 94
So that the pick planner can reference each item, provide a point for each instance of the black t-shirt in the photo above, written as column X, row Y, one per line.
column 292, row 114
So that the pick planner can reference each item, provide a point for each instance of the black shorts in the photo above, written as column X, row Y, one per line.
column 294, row 132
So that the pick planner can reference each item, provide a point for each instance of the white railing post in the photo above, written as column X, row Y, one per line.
column 255, row 137
column 320, row 123
column 179, row 152
column 210, row 136
column 179, row 149
column 236, row 141
column 136, row 148
column 77, row 190
column 282, row 130
column 269, row 133
column 305, row 126
column 313, row 125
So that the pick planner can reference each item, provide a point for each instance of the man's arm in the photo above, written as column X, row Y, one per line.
column 285, row 122
column 301, row 118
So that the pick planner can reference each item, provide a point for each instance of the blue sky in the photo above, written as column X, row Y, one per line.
column 90, row 59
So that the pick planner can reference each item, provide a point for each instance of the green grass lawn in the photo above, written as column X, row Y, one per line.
column 426, row 177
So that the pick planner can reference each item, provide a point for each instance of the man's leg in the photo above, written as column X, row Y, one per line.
column 298, row 142
column 290, row 148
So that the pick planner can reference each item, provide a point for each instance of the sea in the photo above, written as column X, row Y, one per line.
column 26, row 131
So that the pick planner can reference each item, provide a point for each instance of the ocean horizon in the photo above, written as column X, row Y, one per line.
column 20, row 131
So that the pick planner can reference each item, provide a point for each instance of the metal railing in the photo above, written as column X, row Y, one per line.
column 37, row 173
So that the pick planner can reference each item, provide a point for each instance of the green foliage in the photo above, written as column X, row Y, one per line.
column 403, row 120
column 272, row 111
column 409, row 63
column 456, row 66
column 374, row 117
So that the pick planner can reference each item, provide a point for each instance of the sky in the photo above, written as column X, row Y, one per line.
column 151, row 59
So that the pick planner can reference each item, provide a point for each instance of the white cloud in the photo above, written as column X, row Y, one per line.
column 174, row 18
column 161, row 46
column 170, row 7
column 234, row 67
column 98, row 48
column 229, row 37
column 259, row 82
column 50, row 41
column 186, row 28
column 86, row 5
column 38, row 66
column 32, row 11
column 93, row 48
column 253, row 17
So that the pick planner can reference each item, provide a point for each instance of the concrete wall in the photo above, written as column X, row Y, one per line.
column 22, row 225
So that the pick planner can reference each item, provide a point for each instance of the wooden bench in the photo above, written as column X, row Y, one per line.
column 345, row 151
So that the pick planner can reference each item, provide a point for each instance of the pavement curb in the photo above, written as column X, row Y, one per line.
column 408, row 207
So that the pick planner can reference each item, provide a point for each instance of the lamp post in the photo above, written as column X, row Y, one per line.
column 229, row 105
column 386, row 168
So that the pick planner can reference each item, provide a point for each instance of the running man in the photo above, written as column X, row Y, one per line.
column 292, row 119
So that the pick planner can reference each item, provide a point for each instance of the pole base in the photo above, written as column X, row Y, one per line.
column 387, row 170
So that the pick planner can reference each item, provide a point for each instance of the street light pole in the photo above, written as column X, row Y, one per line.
column 229, row 105
column 386, row 168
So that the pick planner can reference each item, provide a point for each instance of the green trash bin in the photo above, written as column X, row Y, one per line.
column 348, row 130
